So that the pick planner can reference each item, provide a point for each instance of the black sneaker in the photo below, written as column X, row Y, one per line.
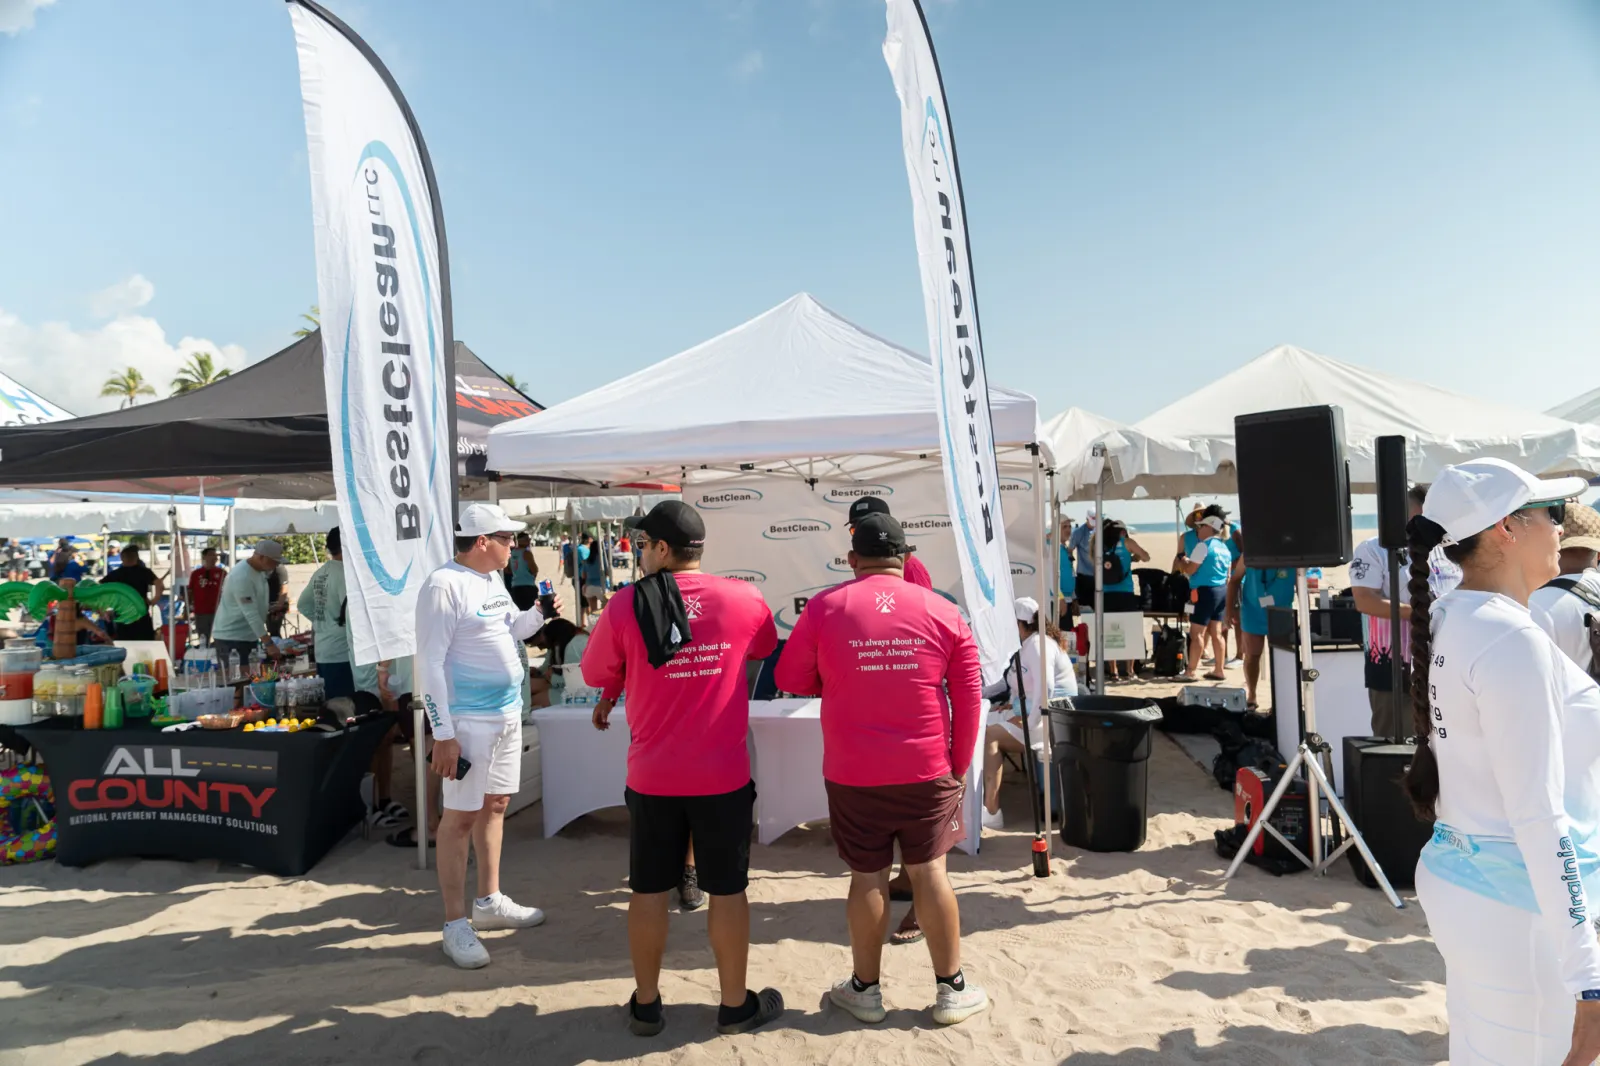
column 690, row 898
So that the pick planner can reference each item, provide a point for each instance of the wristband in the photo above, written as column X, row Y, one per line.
column 1589, row 995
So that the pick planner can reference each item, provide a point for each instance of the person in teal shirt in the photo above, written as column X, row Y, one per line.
column 1209, row 566
column 524, row 574
column 1119, row 595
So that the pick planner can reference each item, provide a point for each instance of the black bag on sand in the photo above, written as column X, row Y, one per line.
column 1239, row 751
column 1170, row 649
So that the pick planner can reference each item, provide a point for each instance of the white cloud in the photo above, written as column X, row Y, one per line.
column 750, row 64
column 17, row 15
column 126, row 295
column 68, row 366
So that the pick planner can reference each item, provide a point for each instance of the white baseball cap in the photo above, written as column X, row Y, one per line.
column 1468, row 498
column 1027, row 608
column 1213, row 522
column 482, row 519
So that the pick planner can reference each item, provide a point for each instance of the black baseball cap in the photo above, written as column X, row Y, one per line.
column 867, row 505
column 672, row 522
column 878, row 536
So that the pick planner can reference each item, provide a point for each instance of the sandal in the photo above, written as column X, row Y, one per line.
column 1216, row 677
column 406, row 838
column 909, row 932
column 1252, row 708
column 769, row 1005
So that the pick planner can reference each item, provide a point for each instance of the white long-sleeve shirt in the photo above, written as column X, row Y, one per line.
column 467, row 632
column 1561, row 612
column 1517, row 736
column 1041, row 686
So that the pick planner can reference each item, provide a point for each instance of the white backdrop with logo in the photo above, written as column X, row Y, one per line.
column 789, row 538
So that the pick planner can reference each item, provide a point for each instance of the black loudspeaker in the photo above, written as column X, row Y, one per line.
column 1373, row 768
column 1391, row 474
column 1294, row 487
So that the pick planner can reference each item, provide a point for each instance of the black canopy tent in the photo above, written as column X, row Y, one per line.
column 261, row 432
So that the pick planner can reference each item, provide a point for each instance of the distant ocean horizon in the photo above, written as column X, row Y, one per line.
column 1358, row 523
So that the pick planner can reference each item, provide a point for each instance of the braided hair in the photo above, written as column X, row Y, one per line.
column 1422, row 776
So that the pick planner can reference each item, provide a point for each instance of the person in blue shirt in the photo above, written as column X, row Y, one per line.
column 64, row 564
column 1119, row 595
column 1081, row 546
column 1208, row 566
column 1252, row 590
column 1066, row 579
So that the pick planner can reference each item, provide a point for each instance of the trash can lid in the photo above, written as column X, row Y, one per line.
column 1112, row 710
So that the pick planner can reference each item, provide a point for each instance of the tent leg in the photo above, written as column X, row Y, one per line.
column 1041, row 514
column 419, row 758
column 233, row 540
column 1100, row 585
column 172, row 590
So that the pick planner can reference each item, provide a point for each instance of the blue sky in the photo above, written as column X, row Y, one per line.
column 1158, row 191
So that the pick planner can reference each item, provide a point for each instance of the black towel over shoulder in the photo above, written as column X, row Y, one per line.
column 658, row 608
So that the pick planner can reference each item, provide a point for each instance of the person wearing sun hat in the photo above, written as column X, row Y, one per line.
column 1507, row 767
column 1563, row 607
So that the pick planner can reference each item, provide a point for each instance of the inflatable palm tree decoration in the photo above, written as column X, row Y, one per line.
column 123, row 602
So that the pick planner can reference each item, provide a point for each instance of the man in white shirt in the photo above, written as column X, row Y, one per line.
column 1563, row 607
column 469, row 678
column 240, row 626
column 1369, row 584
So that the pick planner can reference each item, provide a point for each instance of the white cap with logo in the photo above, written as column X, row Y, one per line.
column 1468, row 498
column 482, row 519
column 1026, row 608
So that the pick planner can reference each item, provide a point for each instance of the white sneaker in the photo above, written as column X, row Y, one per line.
column 464, row 948
column 1235, row 661
column 502, row 913
column 952, row 1006
column 865, row 1006
column 995, row 821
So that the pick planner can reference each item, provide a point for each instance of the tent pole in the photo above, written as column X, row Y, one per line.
column 172, row 589
column 1100, row 584
column 233, row 538
column 1041, row 513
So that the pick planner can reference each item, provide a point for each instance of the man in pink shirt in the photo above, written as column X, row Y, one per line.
column 895, row 752
column 678, row 640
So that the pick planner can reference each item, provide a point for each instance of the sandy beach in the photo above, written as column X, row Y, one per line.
column 1117, row 960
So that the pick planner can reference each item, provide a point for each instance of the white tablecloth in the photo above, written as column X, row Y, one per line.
column 585, row 770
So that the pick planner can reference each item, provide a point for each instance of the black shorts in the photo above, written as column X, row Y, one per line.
column 659, row 840
column 524, row 596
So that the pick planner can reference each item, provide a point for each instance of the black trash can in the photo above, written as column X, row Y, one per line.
column 1101, row 749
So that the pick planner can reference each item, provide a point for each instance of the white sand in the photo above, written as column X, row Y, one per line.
column 1117, row 959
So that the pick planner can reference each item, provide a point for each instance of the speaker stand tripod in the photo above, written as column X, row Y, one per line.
column 1312, row 758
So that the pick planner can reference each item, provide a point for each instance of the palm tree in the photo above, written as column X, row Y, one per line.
column 314, row 319
column 197, row 373
column 130, row 385
column 511, row 379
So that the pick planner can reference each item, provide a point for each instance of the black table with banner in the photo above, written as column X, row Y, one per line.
column 275, row 801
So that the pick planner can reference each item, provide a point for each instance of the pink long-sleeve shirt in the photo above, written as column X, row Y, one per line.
column 688, row 718
column 881, row 653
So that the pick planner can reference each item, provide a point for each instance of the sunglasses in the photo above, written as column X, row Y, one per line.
column 503, row 538
column 1558, row 510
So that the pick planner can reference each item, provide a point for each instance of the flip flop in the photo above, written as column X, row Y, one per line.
column 1216, row 677
column 406, row 838
column 1253, row 708
column 906, row 935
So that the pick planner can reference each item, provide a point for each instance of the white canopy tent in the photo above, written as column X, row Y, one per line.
column 1088, row 445
column 1584, row 408
column 796, row 390
column 1441, row 426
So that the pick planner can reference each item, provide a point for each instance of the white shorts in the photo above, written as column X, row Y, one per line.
column 1502, row 978
column 494, row 748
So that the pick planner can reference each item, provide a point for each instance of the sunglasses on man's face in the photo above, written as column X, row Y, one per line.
column 503, row 538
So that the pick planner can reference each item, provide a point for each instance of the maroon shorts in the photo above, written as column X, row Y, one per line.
column 925, row 818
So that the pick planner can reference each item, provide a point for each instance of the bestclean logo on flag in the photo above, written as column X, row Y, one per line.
column 395, row 261
column 388, row 366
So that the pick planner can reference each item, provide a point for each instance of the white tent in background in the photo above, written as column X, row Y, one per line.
column 1585, row 408
column 1140, row 465
column 1441, row 426
column 797, row 389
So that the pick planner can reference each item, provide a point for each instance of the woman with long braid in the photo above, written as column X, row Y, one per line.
column 1508, row 767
